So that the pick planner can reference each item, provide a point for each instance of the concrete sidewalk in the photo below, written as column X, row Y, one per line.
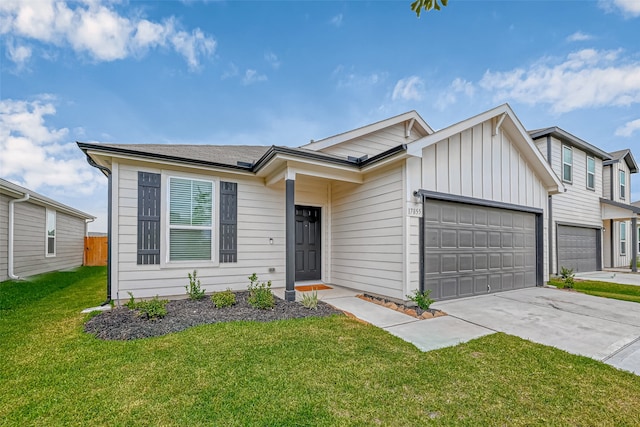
column 621, row 277
column 603, row 329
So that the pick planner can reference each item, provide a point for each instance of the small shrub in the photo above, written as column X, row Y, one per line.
column 223, row 299
column 310, row 300
column 154, row 308
column 260, row 295
column 567, row 277
column 193, row 288
column 421, row 299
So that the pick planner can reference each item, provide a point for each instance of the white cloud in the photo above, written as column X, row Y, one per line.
column 252, row 76
column 584, row 79
column 579, row 36
column 629, row 8
column 336, row 21
column 272, row 59
column 409, row 89
column 450, row 95
column 629, row 128
column 96, row 28
column 354, row 80
column 18, row 54
column 36, row 155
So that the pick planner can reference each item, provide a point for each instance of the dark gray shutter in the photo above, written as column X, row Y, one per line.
column 228, row 222
column 148, row 218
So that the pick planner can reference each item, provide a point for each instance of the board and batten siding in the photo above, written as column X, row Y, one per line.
column 261, row 213
column 30, row 241
column 474, row 163
column 578, row 205
column 367, row 243
column 373, row 143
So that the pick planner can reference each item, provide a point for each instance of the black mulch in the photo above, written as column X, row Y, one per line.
column 124, row 324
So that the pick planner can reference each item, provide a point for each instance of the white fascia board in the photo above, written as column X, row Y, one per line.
column 365, row 130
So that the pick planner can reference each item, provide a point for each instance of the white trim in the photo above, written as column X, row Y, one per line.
column 594, row 172
column 46, row 232
column 622, row 183
column 623, row 224
column 165, row 225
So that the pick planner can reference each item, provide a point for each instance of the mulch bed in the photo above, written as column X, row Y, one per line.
column 124, row 324
column 413, row 311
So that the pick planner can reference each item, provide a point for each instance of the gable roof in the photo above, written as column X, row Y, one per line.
column 19, row 191
column 625, row 154
column 565, row 136
column 507, row 119
column 410, row 116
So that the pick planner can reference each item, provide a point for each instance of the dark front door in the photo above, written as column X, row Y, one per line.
column 308, row 247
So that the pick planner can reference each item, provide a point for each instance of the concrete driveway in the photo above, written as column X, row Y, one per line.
column 603, row 329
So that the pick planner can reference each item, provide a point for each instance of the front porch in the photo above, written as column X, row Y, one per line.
column 620, row 235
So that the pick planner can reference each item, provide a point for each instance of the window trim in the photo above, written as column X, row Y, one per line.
column 623, row 241
column 593, row 159
column 622, row 183
column 570, row 180
column 46, row 233
column 165, row 222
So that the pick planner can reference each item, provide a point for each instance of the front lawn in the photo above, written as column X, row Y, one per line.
column 320, row 371
column 602, row 289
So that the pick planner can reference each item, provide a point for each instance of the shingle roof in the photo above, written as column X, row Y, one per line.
column 625, row 155
column 223, row 154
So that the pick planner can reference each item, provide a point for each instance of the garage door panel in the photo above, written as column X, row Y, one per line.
column 578, row 248
column 471, row 249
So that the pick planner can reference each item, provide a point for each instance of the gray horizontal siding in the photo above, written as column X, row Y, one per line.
column 4, row 236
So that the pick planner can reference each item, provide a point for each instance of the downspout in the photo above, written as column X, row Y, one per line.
column 11, row 226
column 107, row 172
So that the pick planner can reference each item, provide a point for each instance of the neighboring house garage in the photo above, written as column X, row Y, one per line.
column 471, row 249
column 579, row 248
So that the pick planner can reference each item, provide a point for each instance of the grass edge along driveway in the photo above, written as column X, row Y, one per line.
column 326, row 372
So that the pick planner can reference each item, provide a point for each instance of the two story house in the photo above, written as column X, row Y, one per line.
column 591, row 222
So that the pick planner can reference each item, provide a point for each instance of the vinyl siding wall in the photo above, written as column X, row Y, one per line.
column 578, row 205
column 367, row 239
column 261, row 213
column 474, row 163
column 30, row 240
column 375, row 143
column 613, row 170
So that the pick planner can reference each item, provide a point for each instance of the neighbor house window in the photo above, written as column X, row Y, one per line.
column 623, row 184
column 623, row 238
column 51, row 233
column 591, row 173
column 190, row 220
column 567, row 164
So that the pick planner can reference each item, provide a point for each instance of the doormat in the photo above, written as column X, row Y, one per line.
column 318, row 287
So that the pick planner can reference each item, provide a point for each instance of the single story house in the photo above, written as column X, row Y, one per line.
column 38, row 234
column 387, row 208
column 591, row 223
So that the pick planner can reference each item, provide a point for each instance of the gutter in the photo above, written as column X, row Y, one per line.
column 11, row 233
column 107, row 172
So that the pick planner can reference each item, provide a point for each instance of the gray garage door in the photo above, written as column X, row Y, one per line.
column 578, row 248
column 471, row 250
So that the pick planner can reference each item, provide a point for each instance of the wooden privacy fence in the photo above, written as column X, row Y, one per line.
column 95, row 250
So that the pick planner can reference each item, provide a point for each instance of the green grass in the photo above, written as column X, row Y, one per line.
column 603, row 289
column 317, row 372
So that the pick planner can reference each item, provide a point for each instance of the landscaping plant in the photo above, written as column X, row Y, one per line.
column 310, row 300
column 260, row 295
column 152, row 309
column 567, row 277
column 193, row 289
column 421, row 299
column 223, row 299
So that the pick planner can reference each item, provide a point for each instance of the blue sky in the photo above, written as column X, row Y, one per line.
column 285, row 72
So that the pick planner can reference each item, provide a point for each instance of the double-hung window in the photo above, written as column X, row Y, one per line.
column 190, row 220
column 51, row 233
column 567, row 164
column 623, row 238
column 623, row 184
column 591, row 173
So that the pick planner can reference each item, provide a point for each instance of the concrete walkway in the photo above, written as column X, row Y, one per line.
column 603, row 329
column 621, row 277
